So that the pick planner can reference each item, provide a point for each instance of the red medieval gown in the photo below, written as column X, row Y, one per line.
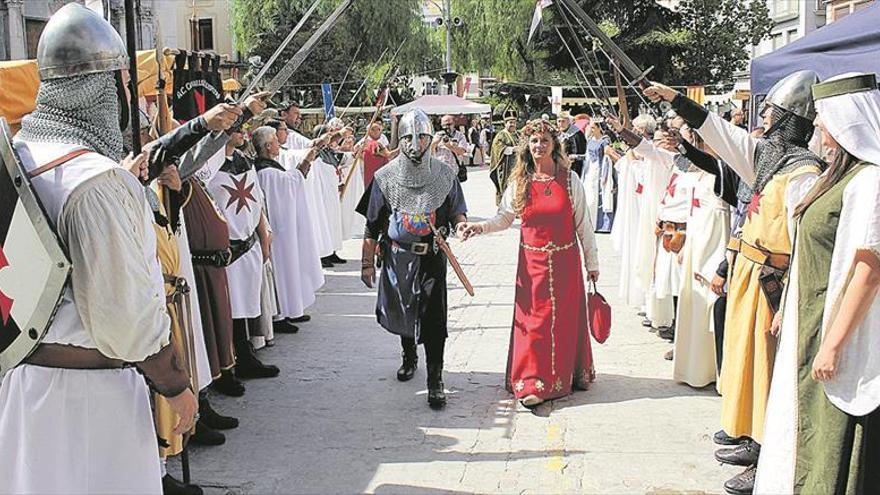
column 550, row 350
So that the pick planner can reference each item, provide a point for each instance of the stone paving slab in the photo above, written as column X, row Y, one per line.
column 337, row 420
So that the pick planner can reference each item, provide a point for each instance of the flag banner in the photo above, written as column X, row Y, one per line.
column 697, row 93
column 556, row 99
column 197, row 85
column 536, row 19
column 329, row 109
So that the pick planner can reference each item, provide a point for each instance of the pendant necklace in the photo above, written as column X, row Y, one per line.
column 547, row 190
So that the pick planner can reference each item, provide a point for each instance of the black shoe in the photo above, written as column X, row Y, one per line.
column 301, row 319
column 212, row 418
column 326, row 263
column 647, row 323
column 743, row 483
column 436, row 394
column 205, row 435
column 409, row 365
column 722, row 438
column 642, row 314
column 670, row 354
column 171, row 486
column 284, row 326
column 336, row 260
column 256, row 369
column 228, row 385
column 741, row 455
column 667, row 333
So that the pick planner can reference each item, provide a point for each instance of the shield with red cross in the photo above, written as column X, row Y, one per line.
column 33, row 266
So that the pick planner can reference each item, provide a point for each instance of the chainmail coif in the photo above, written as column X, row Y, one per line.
column 415, row 188
column 783, row 150
column 81, row 110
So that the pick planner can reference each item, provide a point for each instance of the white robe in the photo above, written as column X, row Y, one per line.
column 856, row 389
column 352, row 222
column 242, row 216
column 322, row 192
column 624, row 233
column 708, row 228
column 656, row 171
column 674, row 207
column 297, row 266
column 186, row 271
column 89, row 431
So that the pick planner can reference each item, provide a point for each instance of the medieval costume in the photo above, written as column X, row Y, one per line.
column 575, row 145
column 624, row 234
column 709, row 224
column 782, row 171
column 824, row 437
column 550, row 351
column 295, row 259
column 237, row 190
column 73, row 417
column 503, row 159
column 351, row 222
column 411, row 200
column 592, row 177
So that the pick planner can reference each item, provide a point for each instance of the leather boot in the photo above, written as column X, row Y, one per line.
column 247, row 365
column 228, row 385
column 744, row 454
column 436, row 394
column 722, row 438
column 743, row 483
column 205, row 435
column 172, row 486
column 410, row 362
column 212, row 418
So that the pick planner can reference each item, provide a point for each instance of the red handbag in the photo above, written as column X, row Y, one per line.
column 599, row 315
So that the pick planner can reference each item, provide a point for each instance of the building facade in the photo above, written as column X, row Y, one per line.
column 792, row 20
column 169, row 23
column 838, row 9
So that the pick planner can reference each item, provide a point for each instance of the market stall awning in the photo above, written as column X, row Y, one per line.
column 848, row 45
column 443, row 104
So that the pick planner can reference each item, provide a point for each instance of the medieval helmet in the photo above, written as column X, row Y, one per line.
column 78, row 41
column 415, row 123
column 792, row 94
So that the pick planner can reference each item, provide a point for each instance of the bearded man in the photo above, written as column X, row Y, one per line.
column 411, row 200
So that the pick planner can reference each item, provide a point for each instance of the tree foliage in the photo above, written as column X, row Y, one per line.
column 702, row 42
column 368, row 29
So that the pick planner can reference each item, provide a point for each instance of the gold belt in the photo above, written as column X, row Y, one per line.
column 550, row 247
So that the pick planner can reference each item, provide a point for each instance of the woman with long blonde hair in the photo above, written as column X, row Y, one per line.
column 550, row 351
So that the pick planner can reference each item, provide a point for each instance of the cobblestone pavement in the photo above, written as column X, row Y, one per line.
column 337, row 420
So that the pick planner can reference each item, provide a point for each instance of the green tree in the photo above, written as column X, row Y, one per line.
column 368, row 28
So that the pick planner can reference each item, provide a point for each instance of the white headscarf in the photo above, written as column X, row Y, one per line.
column 853, row 120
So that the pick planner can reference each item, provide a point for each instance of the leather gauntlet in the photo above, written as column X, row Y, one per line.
column 164, row 372
column 368, row 253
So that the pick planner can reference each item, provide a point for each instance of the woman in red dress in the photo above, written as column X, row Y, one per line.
column 550, row 351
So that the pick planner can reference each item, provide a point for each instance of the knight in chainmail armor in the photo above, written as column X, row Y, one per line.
column 775, row 173
column 412, row 198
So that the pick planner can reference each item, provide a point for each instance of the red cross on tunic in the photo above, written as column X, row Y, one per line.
column 754, row 206
column 5, row 301
column 241, row 194
column 670, row 188
column 639, row 188
column 695, row 201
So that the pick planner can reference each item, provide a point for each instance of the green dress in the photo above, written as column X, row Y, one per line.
column 836, row 453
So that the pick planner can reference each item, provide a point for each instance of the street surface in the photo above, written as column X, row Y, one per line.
column 337, row 420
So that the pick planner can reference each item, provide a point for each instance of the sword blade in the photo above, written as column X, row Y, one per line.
column 299, row 57
column 633, row 71
column 281, row 47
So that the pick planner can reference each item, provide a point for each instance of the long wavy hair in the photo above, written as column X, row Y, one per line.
column 525, row 167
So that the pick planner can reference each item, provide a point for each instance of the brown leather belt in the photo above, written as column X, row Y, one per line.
column 72, row 357
column 759, row 255
column 672, row 226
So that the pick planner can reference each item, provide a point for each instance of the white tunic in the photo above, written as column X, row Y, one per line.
column 322, row 192
column 624, row 233
column 674, row 207
column 297, row 266
column 352, row 222
column 856, row 389
column 240, row 199
column 90, row 431
column 708, row 227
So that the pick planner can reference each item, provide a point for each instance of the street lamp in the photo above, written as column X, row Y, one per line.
column 449, row 22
